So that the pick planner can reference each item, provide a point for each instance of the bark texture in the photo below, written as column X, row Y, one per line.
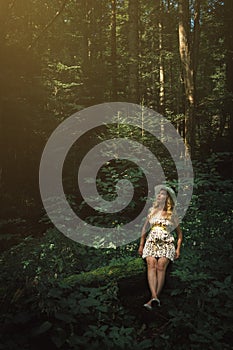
column 189, row 61
column 133, row 50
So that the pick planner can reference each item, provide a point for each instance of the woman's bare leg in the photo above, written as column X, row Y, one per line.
column 152, row 275
column 161, row 272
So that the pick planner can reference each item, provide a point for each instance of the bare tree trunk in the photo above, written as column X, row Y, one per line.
column 85, row 39
column 187, row 70
column 161, row 64
column 134, row 270
column 85, row 52
column 113, row 50
column 5, row 7
column 133, row 50
column 196, row 44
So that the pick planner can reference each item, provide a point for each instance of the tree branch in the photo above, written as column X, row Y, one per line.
column 48, row 25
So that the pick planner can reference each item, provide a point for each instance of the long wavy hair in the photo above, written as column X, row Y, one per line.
column 168, row 206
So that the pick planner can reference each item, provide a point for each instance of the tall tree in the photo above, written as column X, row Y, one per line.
column 196, row 44
column 133, row 11
column 188, row 54
column 113, row 50
column 161, row 63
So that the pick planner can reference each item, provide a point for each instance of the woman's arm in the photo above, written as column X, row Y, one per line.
column 179, row 241
column 143, row 237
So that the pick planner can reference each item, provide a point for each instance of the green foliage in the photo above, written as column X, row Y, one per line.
column 46, row 299
column 85, row 317
column 59, row 293
column 50, row 72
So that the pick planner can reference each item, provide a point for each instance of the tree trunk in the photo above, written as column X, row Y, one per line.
column 85, row 54
column 128, row 276
column 196, row 44
column 4, row 14
column 161, row 64
column 133, row 51
column 187, row 63
column 113, row 51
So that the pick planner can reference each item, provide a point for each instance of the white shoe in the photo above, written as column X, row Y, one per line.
column 148, row 307
column 155, row 302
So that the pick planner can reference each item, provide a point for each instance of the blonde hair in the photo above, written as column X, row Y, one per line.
column 168, row 207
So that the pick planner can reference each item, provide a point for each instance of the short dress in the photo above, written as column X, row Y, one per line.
column 160, row 241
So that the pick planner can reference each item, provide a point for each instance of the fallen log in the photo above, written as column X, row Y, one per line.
column 129, row 274
column 123, row 272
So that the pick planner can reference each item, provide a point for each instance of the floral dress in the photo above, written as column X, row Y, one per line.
column 160, row 241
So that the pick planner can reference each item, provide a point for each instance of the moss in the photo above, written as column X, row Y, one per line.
column 125, row 269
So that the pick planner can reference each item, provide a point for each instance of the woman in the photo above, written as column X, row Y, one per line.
column 159, row 248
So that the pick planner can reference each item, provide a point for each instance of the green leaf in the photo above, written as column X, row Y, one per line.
column 58, row 337
column 43, row 328
column 145, row 344
column 66, row 317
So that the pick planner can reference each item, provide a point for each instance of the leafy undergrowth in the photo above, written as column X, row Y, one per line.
column 57, row 294
column 196, row 311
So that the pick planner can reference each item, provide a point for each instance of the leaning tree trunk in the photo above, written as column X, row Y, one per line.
column 128, row 275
